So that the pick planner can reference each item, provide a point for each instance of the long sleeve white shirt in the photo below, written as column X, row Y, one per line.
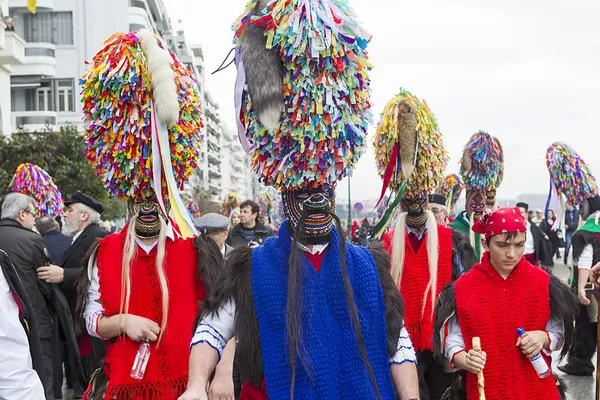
column 18, row 379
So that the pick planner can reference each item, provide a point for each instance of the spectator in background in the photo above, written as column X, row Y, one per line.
column 250, row 231
column 571, row 225
column 26, row 250
column 539, row 217
column 437, row 205
column 546, row 227
column 530, row 215
column 234, row 217
column 537, row 251
column 56, row 242
column 216, row 227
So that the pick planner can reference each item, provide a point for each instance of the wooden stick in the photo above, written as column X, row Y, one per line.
column 480, row 381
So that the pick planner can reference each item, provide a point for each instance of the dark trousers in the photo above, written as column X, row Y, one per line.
column 46, row 344
column 584, row 342
column 433, row 382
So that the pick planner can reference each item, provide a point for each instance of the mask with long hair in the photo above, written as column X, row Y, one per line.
column 415, row 208
column 148, row 216
column 318, row 205
column 475, row 205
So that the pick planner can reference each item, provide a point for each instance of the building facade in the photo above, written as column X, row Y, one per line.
column 59, row 37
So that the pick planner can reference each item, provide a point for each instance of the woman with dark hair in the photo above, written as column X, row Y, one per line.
column 546, row 227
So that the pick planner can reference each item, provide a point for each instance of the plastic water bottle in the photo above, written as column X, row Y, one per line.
column 141, row 361
column 539, row 363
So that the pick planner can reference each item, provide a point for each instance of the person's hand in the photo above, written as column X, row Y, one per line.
column 51, row 273
column 596, row 273
column 253, row 245
column 582, row 296
column 193, row 393
column 221, row 387
column 474, row 361
column 140, row 329
column 532, row 342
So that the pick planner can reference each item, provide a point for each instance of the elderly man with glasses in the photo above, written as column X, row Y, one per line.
column 27, row 251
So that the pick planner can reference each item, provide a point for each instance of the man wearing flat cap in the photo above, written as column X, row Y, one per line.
column 216, row 226
column 82, row 216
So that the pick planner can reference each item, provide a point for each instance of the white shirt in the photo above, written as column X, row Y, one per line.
column 586, row 259
column 76, row 236
column 18, row 379
column 529, row 243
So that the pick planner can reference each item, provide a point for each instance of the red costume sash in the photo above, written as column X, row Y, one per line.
column 492, row 308
column 415, row 278
column 167, row 370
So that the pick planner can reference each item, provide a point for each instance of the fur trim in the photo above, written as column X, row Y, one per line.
column 394, row 306
column 564, row 307
column 164, row 89
column 407, row 137
column 444, row 309
column 462, row 248
column 263, row 68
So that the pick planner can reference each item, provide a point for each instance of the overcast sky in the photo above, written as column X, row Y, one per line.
column 526, row 71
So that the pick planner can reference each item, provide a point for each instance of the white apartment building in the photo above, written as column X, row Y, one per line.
column 12, row 53
column 59, row 37
column 237, row 174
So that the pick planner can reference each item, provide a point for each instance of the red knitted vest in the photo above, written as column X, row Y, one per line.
column 167, row 370
column 493, row 308
column 415, row 278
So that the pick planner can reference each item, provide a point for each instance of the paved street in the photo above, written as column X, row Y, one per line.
column 579, row 387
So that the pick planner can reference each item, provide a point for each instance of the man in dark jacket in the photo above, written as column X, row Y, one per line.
column 56, row 241
column 22, row 366
column 26, row 250
column 249, row 232
column 571, row 225
column 537, row 250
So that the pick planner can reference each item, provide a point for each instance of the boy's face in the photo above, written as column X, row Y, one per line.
column 506, row 252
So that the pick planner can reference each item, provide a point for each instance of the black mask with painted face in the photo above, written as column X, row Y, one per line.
column 317, row 206
column 415, row 208
column 147, row 211
column 475, row 204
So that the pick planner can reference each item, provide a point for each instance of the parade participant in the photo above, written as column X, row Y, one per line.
column 315, row 317
column 451, row 188
column 499, row 295
column 141, row 287
column 482, row 171
column 572, row 177
column 436, row 203
column 425, row 256
column 31, row 180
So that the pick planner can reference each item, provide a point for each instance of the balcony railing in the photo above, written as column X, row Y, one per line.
column 137, row 3
column 23, row 118
column 40, row 51
column 29, row 38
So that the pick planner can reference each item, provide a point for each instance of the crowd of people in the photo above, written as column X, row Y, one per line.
column 422, row 303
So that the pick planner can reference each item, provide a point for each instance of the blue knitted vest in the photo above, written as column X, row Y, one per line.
column 336, row 368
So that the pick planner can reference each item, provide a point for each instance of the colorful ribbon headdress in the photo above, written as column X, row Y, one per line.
column 569, row 174
column 450, row 187
column 265, row 203
column 409, row 150
column 482, row 164
column 142, row 121
column 302, row 90
column 231, row 202
column 35, row 182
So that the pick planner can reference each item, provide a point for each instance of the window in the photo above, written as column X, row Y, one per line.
column 65, row 95
column 49, row 27
column 181, row 49
column 44, row 99
column 135, row 27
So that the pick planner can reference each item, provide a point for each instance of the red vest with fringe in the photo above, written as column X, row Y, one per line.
column 493, row 308
column 167, row 371
column 415, row 278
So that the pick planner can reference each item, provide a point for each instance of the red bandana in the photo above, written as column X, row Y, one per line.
column 503, row 220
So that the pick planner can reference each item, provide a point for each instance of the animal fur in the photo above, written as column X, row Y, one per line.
column 263, row 69
column 467, row 159
column 407, row 137
column 164, row 89
column 563, row 306
column 463, row 249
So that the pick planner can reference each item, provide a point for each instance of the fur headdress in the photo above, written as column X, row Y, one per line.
column 569, row 174
column 142, row 121
column 482, row 164
column 409, row 151
column 451, row 188
column 302, row 91
column 34, row 181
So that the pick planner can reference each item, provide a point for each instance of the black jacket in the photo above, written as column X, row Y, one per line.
column 571, row 224
column 542, row 251
column 236, row 235
column 27, row 315
column 73, row 260
column 26, row 251
column 56, row 243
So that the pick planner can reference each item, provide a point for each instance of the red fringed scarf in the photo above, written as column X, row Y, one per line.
column 167, row 370
column 492, row 308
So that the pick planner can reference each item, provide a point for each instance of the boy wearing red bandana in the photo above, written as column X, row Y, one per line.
column 501, row 294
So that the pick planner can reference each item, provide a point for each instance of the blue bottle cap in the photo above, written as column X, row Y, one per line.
column 520, row 331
